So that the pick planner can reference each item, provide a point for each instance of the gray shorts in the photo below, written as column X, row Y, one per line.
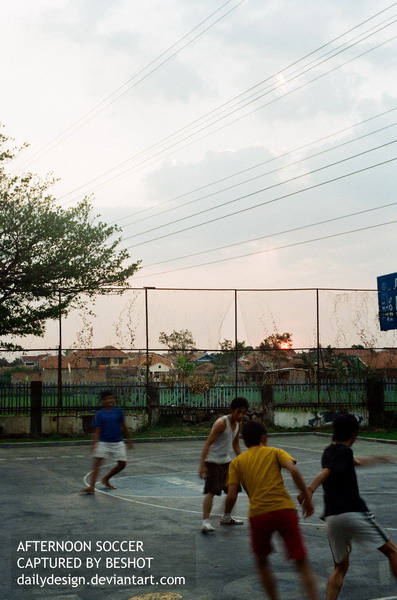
column 360, row 527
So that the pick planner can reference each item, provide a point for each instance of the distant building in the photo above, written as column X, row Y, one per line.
column 106, row 357
column 32, row 360
column 158, row 365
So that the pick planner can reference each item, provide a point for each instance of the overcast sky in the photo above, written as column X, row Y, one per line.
column 252, row 138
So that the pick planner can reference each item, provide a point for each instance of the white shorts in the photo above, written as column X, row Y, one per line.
column 114, row 450
column 360, row 527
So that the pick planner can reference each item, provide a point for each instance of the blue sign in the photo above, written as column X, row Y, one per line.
column 387, row 298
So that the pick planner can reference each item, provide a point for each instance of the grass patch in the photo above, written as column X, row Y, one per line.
column 172, row 431
column 382, row 434
column 166, row 430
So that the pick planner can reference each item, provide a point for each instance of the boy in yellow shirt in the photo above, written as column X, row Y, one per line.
column 258, row 470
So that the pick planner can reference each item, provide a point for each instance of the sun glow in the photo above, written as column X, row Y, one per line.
column 285, row 346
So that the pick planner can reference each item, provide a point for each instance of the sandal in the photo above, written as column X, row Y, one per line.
column 108, row 485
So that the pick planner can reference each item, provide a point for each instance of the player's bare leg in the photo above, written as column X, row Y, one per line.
column 267, row 577
column 336, row 578
column 207, row 507
column 121, row 464
column 94, row 476
column 390, row 550
column 308, row 578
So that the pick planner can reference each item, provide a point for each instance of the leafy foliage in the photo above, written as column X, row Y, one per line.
column 180, row 343
column 227, row 356
column 49, row 256
column 184, row 367
column 276, row 341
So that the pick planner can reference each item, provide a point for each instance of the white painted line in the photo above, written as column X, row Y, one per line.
column 318, row 525
column 323, row 526
column 377, row 492
column 299, row 448
column 173, row 508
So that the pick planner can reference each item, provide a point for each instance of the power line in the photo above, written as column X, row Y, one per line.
column 228, row 202
column 153, row 157
column 333, row 148
column 99, row 15
column 292, row 245
column 299, row 148
column 271, row 87
column 269, row 235
column 108, row 101
column 312, row 187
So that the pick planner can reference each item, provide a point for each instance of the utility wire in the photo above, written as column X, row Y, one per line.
column 228, row 202
column 291, row 245
column 269, row 235
column 311, row 187
column 271, row 87
column 250, row 180
column 99, row 15
column 246, row 170
column 154, row 157
column 109, row 100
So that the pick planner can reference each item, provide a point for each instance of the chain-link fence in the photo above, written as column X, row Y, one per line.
column 201, row 347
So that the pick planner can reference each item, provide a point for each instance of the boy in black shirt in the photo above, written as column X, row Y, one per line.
column 345, row 512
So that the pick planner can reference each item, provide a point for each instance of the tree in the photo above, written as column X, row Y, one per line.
column 357, row 369
column 227, row 356
column 50, row 256
column 184, row 368
column 272, row 349
column 179, row 343
column 277, row 341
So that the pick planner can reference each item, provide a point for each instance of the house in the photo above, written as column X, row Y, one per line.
column 359, row 362
column 74, row 369
column 31, row 360
column 107, row 357
column 273, row 366
column 384, row 363
column 157, row 364
column 203, row 358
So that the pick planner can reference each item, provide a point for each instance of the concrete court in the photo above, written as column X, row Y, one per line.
column 158, row 503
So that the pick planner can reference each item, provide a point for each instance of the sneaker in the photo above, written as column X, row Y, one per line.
column 207, row 527
column 231, row 521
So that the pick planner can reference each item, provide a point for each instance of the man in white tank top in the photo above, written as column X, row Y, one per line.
column 216, row 456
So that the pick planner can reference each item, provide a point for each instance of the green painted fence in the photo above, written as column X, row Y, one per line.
column 78, row 398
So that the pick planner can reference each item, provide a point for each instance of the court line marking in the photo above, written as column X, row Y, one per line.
column 164, row 475
column 190, row 511
column 298, row 448
column 115, row 495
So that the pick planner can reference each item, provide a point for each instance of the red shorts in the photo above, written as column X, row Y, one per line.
column 286, row 523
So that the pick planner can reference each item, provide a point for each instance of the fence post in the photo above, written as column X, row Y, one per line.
column 152, row 402
column 375, row 402
column 267, row 403
column 36, row 395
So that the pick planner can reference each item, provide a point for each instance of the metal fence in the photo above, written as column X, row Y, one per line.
column 329, row 392
column 349, row 395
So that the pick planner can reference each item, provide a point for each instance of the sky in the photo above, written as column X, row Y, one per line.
column 238, row 144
